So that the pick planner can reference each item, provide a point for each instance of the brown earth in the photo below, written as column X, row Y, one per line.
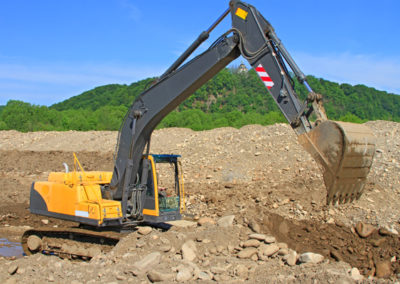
column 258, row 174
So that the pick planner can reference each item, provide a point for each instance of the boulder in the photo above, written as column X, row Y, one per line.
column 184, row 274
column 291, row 258
column 364, row 230
column 310, row 257
column 247, row 253
column 145, row 230
column 269, row 250
column 251, row 243
column 260, row 237
column 148, row 262
column 157, row 276
column 189, row 250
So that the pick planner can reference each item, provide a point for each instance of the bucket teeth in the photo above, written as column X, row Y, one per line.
column 345, row 152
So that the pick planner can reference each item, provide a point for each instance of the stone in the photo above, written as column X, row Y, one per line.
column 355, row 274
column 310, row 257
column 157, row 276
column 251, row 243
column 383, row 269
column 145, row 230
column 182, row 223
column 205, row 276
column 247, row 253
column 226, row 221
column 120, row 277
column 148, row 262
column 45, row 221
column 387, row 232
column 283, row 251
column 184, row 274
column 270, row 239
column 189, row 250
column 205, row 221
column 12, row 269
column 291, row 258
column 260, row 237
column 364, row 230
column 254, row 226
column 165, row 248
column 34, row 243
column 269, row 250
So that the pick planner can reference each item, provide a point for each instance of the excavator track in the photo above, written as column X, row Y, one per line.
column 345, row 151
column 70, row 243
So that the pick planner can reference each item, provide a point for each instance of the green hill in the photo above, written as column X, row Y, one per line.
column 229, row 99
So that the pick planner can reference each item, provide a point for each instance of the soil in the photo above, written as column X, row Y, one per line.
column 261, row 175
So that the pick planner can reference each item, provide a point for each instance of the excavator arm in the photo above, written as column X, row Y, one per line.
column 253, row 38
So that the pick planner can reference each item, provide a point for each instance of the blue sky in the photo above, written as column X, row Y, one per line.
column 52, row 50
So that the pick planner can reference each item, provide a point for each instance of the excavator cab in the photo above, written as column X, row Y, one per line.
column 164, row 194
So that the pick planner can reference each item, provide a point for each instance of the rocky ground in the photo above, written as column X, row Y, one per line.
column 255, row 211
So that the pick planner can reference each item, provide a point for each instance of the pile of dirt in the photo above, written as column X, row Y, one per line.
column 260, row 175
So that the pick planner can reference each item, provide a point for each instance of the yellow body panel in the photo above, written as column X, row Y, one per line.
column 78, row 194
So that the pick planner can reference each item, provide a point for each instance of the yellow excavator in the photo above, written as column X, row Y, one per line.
column 104, row 202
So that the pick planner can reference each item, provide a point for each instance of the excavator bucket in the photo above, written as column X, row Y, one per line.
column 345, row 151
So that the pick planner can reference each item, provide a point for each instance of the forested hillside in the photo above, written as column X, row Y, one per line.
column 229, row 99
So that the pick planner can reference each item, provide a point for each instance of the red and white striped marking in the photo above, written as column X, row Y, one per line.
column 264, row 77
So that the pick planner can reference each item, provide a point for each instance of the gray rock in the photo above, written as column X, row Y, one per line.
column 157, row 276
column 310, row 257
column 269, row 250
column 226, row 221
column 145, row 230
column 247, row 253
column 148, row 262
column 189, row 250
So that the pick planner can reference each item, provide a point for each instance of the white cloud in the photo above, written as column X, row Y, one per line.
column 46, row 83
column 370, row 70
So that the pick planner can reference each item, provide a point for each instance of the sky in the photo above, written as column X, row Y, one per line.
column 52, row 50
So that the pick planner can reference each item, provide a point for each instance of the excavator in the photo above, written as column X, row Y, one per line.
column 106, row 203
